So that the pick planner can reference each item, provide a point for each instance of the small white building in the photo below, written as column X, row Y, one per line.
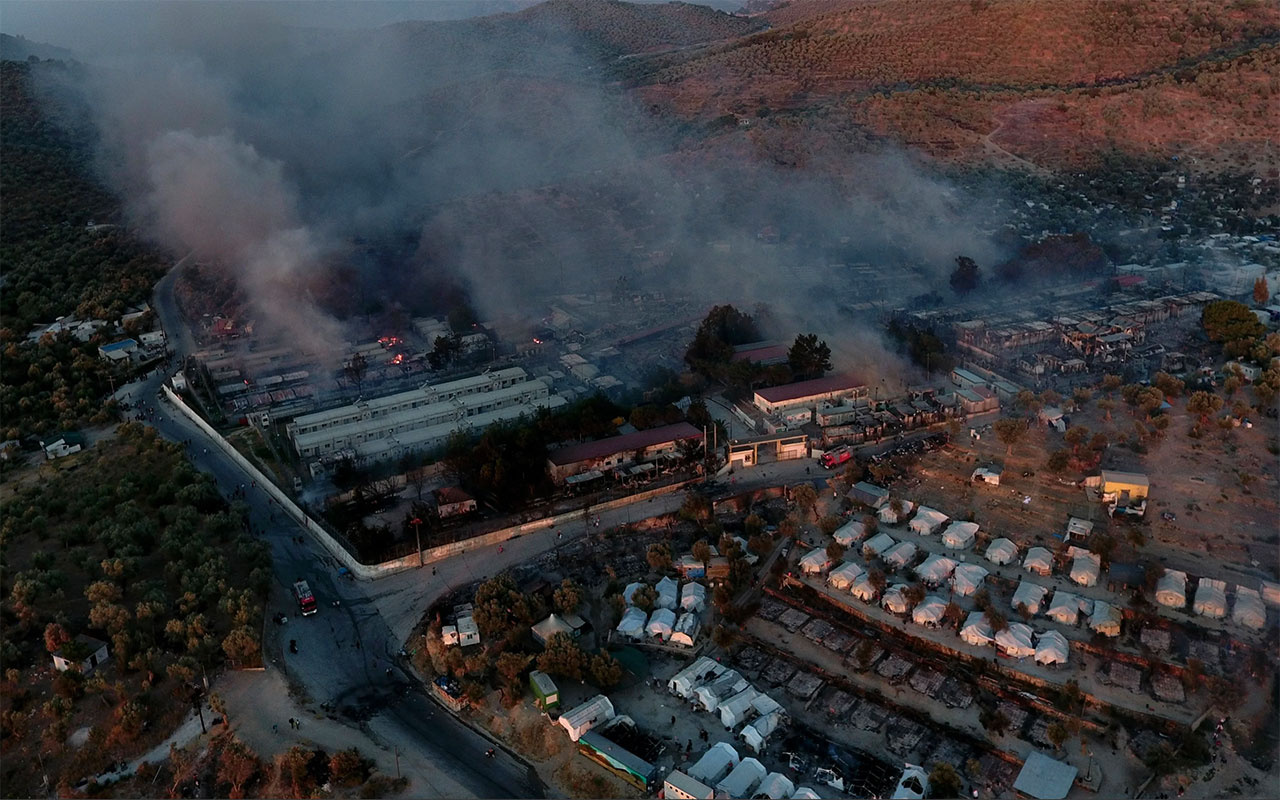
column 579, row 720
column 62, row 445
column 84, row 653
column 683, row 787
column 468, row 631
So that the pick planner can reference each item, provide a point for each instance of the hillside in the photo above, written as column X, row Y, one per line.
column 1056, row 83
column 20, row 48
column 551, row 32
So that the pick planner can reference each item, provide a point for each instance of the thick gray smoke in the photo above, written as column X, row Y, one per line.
column 500, row 149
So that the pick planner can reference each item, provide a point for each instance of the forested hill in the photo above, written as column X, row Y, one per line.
column 54, row 264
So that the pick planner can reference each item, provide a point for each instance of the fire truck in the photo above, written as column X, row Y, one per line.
column 834, row 458
column 306, row 600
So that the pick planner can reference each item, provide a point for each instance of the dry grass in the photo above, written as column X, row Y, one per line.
column 1056, row 82
column 583, row 779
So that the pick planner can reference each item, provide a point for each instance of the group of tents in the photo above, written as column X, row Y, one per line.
column 663, row 623
column 722, row 771
column 1211, row 599
column 714, row 688
column 1016, row 640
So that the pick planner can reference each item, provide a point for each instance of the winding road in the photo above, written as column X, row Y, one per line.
column 347, row 662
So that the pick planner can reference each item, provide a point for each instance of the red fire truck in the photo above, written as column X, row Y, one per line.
column 306, row 600
column 834, row 458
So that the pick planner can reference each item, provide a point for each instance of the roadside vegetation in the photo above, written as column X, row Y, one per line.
column 230, row 768
column 130, row 545
column 55, row 264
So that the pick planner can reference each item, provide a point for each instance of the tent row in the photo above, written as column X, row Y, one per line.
column 1016, row 640
column 669, row 594
column 1211, row 599
column 965, row 579
column 662, row 624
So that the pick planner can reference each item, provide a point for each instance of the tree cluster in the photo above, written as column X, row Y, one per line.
column 136, row 548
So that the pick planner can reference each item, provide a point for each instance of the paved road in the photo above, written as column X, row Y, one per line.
column 365, row 684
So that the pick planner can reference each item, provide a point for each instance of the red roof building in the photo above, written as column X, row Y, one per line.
column 616, row 451
column 809, row 393
column 453, row 502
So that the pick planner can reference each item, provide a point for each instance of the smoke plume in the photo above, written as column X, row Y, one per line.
column 495, row 155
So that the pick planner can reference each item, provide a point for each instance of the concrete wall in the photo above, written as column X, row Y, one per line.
column 334, row 548
column 498, row 537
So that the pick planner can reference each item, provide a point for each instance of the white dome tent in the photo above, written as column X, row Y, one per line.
column 863, row 589
column 686, row 630
column 1066, row 607
column 967, row 578
column 976, row 631
column 902, row 554
column 1171, row 589
column 693, row 597
column 843, row 576
column 583, row 718
column 710, row 694
column 877, row 545
column 960, row 535
column 1029, row 594
column 936, row 570
column 1211, row 598
column 926, row 521
column 1002, row 551
column 630, row 591
column 1039, row 561
column 1085, row 566
column 1015, row 640
column 1105, row 618
column 714, row 764
column 668, row 593
column 742, row 779
column 661, row 623
column 775, row 786
column 1052, row 648
column 850, row 533
column 894, row 599
column 632, row 624
column 691, row 677
column 736, row 710
column 815, row 562
column 755, row 734
column 890, row 517
column 929, row 611
column 1249, row 610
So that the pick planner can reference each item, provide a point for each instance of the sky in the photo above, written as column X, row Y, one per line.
column 98, row 28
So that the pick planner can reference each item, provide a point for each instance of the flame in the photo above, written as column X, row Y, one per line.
column 398, row 359
column 389, row 341
column 536, row 340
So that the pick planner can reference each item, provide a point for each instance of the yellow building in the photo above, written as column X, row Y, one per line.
column 1119, row 483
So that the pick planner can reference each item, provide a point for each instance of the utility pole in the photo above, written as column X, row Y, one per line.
column 416, row 522
column 397, row 762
